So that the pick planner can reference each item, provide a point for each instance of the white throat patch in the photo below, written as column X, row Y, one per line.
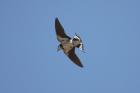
column 81, row 46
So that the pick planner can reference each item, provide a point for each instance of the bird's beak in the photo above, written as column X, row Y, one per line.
column 81, row 47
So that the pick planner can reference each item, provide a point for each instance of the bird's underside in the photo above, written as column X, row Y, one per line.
column 66, row 45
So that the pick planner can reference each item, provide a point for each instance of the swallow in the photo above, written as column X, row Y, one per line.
column 68, row 44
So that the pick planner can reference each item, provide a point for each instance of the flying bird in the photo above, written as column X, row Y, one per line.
column 68, row 44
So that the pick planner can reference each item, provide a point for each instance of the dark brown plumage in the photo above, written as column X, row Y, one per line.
column 66, row 45
column 60, row 30
column 73, row 57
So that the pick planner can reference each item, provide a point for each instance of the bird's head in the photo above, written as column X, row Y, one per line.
column 77, row 41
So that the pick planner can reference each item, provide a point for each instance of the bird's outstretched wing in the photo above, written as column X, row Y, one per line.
column 61, row 36
column 73, row 57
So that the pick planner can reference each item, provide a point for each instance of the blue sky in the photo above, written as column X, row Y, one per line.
column 29, row 62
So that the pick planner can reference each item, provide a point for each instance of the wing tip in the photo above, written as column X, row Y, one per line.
column 57, row 23
column 56, row 19
column 80, row 65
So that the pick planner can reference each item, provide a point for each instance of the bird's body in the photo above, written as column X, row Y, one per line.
column 68, row 44
column 67, row 47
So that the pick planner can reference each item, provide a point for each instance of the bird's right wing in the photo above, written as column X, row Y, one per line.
column 61, row 36
column 73, row 57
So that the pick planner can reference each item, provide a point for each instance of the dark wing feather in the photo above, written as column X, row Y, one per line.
column 61, row 36
column 73, row 57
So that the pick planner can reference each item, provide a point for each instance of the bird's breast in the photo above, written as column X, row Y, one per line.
column 67, row 47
